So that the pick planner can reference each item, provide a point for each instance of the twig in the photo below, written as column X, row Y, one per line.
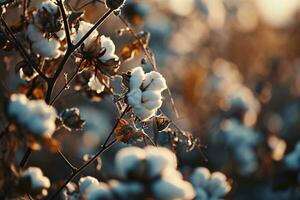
column 66, row 22
column 70, row 50
column 106, row 145
column 23, row 51
column 65, row 86
column 25, row 157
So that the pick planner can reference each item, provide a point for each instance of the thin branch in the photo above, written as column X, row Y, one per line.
column 106, row 145
column 96, row 25
column 66, row 22
column 23, row 51
column 25, row 157
column 67, row 161
column 70, row 50
column 76, row 172
column 65, row 86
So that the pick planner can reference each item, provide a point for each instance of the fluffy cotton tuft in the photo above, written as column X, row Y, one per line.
column 110, row 48
column 37, row 180
column 50, row 6
column 159, row 158
column 47, row 48
column 127, row 159
column 95, row 85
column 83, row 28
column 145, row 92
column 35, row 115
column 172, row 186
column 209, row 185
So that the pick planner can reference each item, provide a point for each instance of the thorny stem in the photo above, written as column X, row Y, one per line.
column 106, row 145
column 23, row 51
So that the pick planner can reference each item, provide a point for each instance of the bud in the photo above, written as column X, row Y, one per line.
column 71, row 119
column 114, row 4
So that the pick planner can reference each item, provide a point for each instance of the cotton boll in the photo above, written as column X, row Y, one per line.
column 99, row 191
column 110, row 48
column 158, row 158
column 35, row 115
column 134, row 97
column 61, row 34
column 137, row 77
column 145, row 94
column 47, row 48
column 173, row 189
column 128, row 159
column 84, row 27
column 200, row 176
column 95, row 84
column 86, row 182
column 143, row 113
column 34, row 34
column 50, row 6
column 37, row 179
column 217, row 185
column 134, row 190
column 201, row 194
column 154, row 81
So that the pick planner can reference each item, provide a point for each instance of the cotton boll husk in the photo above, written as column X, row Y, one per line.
column 86, row 182
column 128, row 159
column 34, row 34
column 127, row 189
column 172, row 189
column 158, row 158
column 154, row 81
column 95, row 84
column 38, row 180
column 137, row 77
column 47, row 48
column 26, row 78
column 99, row 191
column 200, row 176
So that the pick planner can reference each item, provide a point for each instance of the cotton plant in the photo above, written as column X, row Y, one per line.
column 35, row 115
column 46, row 20
column 209, row 186
column 32, row 179
column 144, row 93
column 242, row 141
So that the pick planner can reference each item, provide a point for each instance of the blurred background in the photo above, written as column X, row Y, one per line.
column 233, row 67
